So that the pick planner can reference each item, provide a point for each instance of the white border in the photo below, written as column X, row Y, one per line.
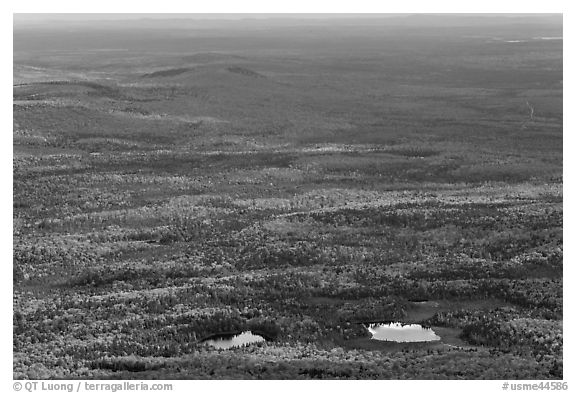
column 296, row 6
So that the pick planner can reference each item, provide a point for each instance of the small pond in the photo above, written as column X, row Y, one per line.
column 227, row 341
column 401, row 333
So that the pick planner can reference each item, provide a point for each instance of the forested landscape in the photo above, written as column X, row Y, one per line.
column 177, row 180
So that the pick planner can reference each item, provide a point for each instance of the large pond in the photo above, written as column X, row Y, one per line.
column 401, row 333
column 226, row 341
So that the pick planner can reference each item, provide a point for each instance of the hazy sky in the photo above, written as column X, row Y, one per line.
column 24, row 19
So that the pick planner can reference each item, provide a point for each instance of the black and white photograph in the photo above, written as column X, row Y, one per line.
column 287, row 196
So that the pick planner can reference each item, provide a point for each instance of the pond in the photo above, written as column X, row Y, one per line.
column 401, row 333
column 227, row 341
